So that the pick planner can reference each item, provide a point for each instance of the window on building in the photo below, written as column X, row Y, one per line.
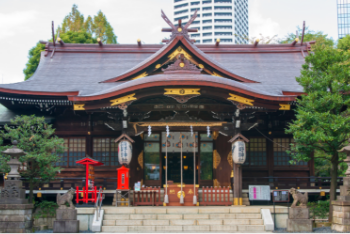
column 207, row 21
column 207, row 28
column 180, row 6
column 207, row 15
column 206, row 157
column 105, row 150
column 194, row 9
column 207, row 8
column 207, row 40
column 280, row 156
column 207, row 34
column 181, row 18
column 181, row 12
column 195, row 3
column 256, row 152
column 206, row 2
column 151, row 157
column 75, row 149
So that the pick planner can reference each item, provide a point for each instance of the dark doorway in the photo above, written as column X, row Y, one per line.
column 174, row 167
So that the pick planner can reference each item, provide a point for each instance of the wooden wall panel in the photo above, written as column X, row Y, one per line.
column 136, row 170
column 223, row 170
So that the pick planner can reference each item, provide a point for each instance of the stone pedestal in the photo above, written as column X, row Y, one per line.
column 341, row 208
column 66, row 221
column 16, row 218
column 299, row 220
column 12, row 193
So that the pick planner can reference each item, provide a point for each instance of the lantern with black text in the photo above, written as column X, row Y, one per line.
column 238, row 152
column 123, row 178
column 124, row 149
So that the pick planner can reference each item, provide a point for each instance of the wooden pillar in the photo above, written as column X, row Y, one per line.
column 237, row 184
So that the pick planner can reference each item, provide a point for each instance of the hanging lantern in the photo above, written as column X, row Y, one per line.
column 124, row 149
column 208, row 131
column 124, row 152
column 149, row 130
column 238, row 152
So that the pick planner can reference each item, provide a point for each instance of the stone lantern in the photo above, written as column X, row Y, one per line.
column 341, row 207
column 12, row 193
column 15, row 211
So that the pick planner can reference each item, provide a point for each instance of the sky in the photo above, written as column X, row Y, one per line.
column 23, row 23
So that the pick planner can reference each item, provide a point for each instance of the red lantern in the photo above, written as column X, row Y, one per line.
column 123, row 178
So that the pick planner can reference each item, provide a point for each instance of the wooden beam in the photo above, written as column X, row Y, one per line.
column 99, row 41
column 165, row 40
column 217, row 42
column 256, row 42
column 303, row 33
column 180, row 21
column 295, row 41
column 192, row 30
column 139, row 42
column 60, row 41
column 53, row 34
column 167, row 29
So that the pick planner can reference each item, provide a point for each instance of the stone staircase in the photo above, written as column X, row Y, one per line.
column 182, row 219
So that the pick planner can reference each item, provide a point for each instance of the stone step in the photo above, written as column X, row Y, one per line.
column 203, row 228
column 182, row 210
column 180, row 222
column 179, row 216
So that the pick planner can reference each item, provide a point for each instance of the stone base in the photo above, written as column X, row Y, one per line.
column 299, row 213
column 299, row 225
column 66, row 214
column 341, row 228
column 66, row 226
column 16, row 218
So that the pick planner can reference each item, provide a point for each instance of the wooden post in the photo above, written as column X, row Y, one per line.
column 236, row 184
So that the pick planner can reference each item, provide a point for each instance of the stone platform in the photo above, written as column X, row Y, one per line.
column 299, row 220
column 16, row 218
column 66, row 221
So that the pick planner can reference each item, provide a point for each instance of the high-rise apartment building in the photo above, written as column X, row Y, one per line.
column 221, row 19
column 343, row 7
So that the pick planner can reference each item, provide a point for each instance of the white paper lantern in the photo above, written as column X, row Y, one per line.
column 124, row 152
column 238, row 152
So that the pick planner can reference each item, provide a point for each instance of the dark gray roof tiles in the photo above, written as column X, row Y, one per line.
column 84, row 72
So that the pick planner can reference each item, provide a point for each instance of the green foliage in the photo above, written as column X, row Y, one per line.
column 323, row 167
column 75, row 30
column 321, row 116
column 45, row 209
column 344, row 43
column 309, row 35
column 319, row 209
column 97, row 26
column 78, row 37
column 73, row 22
column 33, row 60
column 37, row 139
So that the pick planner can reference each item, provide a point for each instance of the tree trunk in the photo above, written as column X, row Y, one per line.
column 31, row 188
column 332, row 191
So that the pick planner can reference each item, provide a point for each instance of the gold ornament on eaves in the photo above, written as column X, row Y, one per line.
column 140, row 159
column 216, row 159
column 229, row 159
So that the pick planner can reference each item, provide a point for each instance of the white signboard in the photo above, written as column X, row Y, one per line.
column 259, row 193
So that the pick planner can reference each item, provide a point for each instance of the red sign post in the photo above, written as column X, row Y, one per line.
column 89, row 181
column 123, row 178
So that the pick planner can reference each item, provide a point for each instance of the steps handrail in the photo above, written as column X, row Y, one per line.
column 98, row 204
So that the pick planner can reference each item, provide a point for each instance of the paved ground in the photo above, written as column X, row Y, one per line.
column 315, row 230
column 51, row 231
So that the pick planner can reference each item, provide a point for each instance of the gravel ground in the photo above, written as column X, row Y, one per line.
column 51, row 231
column 315, row 230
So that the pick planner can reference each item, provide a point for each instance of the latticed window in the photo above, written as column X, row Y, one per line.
column 105, row 150
column 74, row 150
column 280, row 156
column 256, row 152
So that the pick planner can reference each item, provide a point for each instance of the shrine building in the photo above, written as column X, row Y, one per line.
column 94, row 93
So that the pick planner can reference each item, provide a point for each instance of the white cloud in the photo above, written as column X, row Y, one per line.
column 258, row 24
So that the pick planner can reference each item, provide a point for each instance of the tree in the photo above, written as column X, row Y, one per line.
column 33, row 60
column 102, row 29
column 322, row 115
column 35, row 137
column 73, row 22
column 309, row 35
column 75, row 30
column 344, row 43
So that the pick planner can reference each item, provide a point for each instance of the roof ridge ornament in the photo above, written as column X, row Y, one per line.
column 182, row 65
column 180, row 30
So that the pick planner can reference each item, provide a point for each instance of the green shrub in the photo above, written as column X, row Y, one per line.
column 319, row 209
column 45, row 209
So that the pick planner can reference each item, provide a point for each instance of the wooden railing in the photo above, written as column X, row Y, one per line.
column 274, row 182
column 217, row 196
column 147, row 197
